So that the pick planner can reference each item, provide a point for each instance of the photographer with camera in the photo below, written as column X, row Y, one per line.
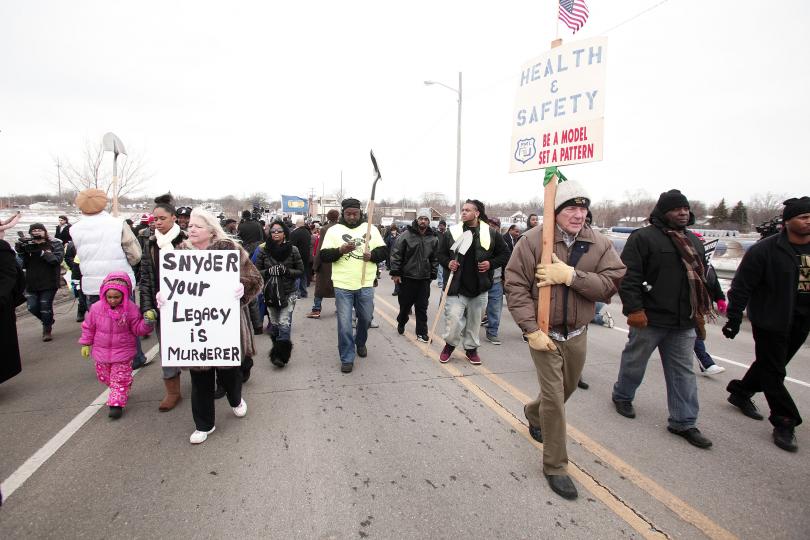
column 41, row 258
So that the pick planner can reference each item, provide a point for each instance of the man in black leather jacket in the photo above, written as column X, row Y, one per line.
column 413, row 267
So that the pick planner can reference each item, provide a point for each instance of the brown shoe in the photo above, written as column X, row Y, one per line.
column 46, row 334
column 172, row 394
column 314, row 315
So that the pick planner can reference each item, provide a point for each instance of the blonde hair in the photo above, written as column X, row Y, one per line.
column 212, row 224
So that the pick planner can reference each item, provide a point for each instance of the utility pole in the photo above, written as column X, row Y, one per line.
column 59, row 177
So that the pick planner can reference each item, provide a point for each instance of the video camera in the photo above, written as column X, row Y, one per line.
column 28, row 244
column 770, row 227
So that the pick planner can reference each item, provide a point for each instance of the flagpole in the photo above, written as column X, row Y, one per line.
column 557, row 31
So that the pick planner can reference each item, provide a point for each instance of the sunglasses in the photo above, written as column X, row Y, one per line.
column 276, row 231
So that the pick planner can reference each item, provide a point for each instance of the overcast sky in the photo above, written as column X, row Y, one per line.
column 237, row 97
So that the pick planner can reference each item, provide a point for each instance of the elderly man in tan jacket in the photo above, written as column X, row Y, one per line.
column 585, row 269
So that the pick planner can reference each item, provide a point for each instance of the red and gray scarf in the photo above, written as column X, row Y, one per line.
column 699, row 297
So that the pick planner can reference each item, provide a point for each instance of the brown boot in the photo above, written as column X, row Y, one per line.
column 46, row 334
column 172, row 394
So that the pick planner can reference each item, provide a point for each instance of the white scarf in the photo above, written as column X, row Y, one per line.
column 164, row 241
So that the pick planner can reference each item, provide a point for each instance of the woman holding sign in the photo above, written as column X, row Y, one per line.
column 167, row 237
column 205, row 232
column 280, row 264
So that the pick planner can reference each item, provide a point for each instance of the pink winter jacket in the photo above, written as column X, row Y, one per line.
column 112, row 332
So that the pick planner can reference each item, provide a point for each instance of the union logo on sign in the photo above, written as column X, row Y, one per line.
column 295, row 204
column 525, row 150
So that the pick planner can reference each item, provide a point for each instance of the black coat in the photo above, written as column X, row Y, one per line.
column 497, row 255
column 63, row 233
column 251, row 234
column 42, row 263
column 651, row 256
column 413, row 255
column 10, row 358
column 150, row 271
column 766, row 282
column 302, row 239
column 293, row 263
column 509, row 241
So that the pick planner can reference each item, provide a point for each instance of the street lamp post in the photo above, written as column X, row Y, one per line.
column 458, row 144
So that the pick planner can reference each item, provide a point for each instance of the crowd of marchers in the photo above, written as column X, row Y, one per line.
column 667, row 287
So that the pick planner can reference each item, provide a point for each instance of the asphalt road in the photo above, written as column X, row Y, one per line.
column 403, row 447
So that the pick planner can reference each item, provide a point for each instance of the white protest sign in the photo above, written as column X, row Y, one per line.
column 560, row 107
column 199, row 323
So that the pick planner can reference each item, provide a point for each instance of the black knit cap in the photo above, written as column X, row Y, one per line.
column 795, row 207
column 350, row 203
column 670, row 200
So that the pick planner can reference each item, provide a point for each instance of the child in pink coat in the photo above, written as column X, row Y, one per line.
column 110, row 328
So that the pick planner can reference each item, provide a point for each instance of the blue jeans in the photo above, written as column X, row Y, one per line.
column 301, row 285
column 40, row 305
column 362, row 300
column 598, row 318
column 703, row 355
column 675, row 348
column 281, row 319
column 494, row 307
column 316, row 303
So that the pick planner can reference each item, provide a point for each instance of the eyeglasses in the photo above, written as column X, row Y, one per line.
column 276, row 231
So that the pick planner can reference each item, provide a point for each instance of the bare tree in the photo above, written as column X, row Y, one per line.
column 764, row 206
column 90, row 171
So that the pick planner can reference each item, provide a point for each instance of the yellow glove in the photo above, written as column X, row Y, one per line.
column 556, row 273
column 539, row 341
column 150, row 315
column 85, row 351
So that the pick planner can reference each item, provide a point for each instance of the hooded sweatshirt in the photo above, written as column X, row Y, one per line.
column 112, row 331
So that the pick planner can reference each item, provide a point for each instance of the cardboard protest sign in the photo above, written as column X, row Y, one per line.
column 199, row 323
column 560, row 107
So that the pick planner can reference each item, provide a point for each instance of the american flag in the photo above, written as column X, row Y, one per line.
column 573, row 13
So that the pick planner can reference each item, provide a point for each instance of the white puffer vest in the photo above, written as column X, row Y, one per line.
column 98, row 247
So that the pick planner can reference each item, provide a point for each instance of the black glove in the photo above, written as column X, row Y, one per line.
column 731, row 328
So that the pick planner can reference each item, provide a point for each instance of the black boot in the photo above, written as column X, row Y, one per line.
column 274, row 355
column 283, row 351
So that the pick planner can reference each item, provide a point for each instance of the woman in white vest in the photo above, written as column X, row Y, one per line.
column 104, row 243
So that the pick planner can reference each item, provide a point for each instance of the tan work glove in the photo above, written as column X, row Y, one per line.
column 556, row 273
column 539, row 341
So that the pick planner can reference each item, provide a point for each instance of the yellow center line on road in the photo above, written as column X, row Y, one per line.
column 644, row 526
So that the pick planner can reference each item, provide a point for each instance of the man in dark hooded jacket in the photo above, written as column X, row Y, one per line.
column 665, row 300
column 413, row 267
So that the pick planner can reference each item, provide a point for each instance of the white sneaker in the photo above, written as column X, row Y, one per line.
column 713, row 370
column 199, row 436
column 607, row 319
column 374, row 324
column 240, row 410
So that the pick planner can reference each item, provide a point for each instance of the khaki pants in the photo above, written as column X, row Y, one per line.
column 558, row 372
